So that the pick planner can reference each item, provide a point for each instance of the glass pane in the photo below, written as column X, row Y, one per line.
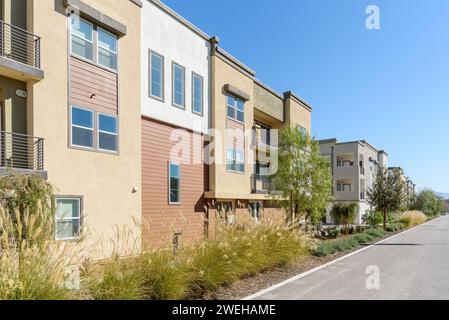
column 156, row 62
column 81, row 117
column 231, row 112
column 178, row 85
column 197, row 94
column 240, row 156
column 81, row 48
column 156, row 89
column 67, row 229
column 81, row 28
column 174, row 183
column 107, row 40
column 240, row 167
column 174, row 170
column 67, row 208
column 240, row 105
column 179, row 98
column 107, row 141
column 231, row 101
column 82, row 137
column 107, row 123
column 231, row 166
column 107, row 58
column 156, row 75
column 240, row 116
column 174, row 196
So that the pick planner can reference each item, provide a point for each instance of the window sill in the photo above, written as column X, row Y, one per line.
column 80, row 148
column 233, row 119
column 93, row 63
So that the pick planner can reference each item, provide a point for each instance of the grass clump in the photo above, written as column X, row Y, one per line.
column 413, row 218
column 330, row 247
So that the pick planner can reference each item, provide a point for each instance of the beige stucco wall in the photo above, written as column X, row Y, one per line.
column 14, row 107
column 104, row 181
column 268, row 103
column 297, row 113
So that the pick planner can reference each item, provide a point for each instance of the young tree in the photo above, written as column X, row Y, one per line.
column 386, row 193
column 429, row 203
column 303, row 181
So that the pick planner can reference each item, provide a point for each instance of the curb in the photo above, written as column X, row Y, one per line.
column 304, row 274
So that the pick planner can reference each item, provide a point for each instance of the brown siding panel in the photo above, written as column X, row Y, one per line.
column 161, row 220
column 93, row 87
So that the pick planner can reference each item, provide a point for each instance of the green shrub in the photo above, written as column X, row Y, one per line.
column 344, row 213
column 413, row 218
column 346, row 244
column 373, row 218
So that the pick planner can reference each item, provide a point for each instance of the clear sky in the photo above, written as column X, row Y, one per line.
column 388, row 86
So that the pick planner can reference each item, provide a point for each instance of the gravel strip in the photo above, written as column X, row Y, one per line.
column 248, row 286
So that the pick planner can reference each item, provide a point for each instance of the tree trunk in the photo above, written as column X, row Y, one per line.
column 385, row 219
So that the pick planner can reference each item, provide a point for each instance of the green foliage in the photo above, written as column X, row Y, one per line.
column 393, row 227
column 330, row 247
column 303, row 175
column 387, row 192
column 373, row 217
column 344, row 213
column 32, row 265
column 235, row 254
column 429, row 203
column 413, row 218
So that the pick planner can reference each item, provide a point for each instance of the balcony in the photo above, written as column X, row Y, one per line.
column 20, row 53
column 261, row 137
column 260, row 184
column 21, row 153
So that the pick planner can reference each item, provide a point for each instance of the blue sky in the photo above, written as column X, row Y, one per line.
column 389, row 86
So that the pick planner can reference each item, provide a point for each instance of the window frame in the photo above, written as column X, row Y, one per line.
column 97, row 45
column 150, row 80
column 235, row 108
column 98, row 131
column 92, row 42
column 234, row 160
column 174, row 104
column 194, row 74
column 170, row 163
column 85, row 128
column 79, row 199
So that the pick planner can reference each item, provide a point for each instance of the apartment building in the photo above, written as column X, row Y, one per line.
column 409, row 186
column 354, row 165
column 198, row 98
column 70, row 109
column 175, row 121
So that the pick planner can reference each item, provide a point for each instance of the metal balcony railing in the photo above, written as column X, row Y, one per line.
column 19, row 151
column 20, row 45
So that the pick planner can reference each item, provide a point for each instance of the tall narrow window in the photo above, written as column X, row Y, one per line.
column 174, row 182
column 236, row 108
column 235, row 160
column 68, row 218
column 156, row 76
column 197, row 94
column 81, row 37
column 107, row 132
column 82, row 127
column 107, row 49
column 178, row 86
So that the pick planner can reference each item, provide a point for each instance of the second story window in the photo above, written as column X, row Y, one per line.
column 93, row 43
column 179, row 79
column 156, row 80
column 236, row 108
column 197, row 94
column 235, row 161
column 107, row 132
column 82, row 128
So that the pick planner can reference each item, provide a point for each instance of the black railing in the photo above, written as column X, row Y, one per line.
column 19, row 151
column 20, row 45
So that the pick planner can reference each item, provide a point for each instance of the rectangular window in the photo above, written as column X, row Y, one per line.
column 235, row 160
column 197, row 94
column 178, row 78
column 236, row 108
column 156, row 82
column 174, row 174
column 301, row 130
column 68, row 218
column 107, row 132
column 82, row 127
column 107, row 49
column 82, row 37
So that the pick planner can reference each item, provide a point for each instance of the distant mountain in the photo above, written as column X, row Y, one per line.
column 443, row 195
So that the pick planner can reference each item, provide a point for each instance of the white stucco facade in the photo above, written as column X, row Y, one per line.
column 168, row 36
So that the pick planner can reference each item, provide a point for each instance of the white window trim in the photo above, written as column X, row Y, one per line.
column 235, row 162
column 102, row 131
column 195, row 75
column 174, row 65
column 234, row 107
column 169, row 186
column 150, row 78
column 69, row 219
column 78, row 126
column 114, row 52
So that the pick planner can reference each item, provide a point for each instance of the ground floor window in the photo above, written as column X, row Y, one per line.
column 174, row 182
column 255, row 209
column 68, row 218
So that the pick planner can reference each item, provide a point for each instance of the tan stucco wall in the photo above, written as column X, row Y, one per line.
column 14, row 107
column 105, row 181
column 224, row 183
column 268, row 103
column 296, row 113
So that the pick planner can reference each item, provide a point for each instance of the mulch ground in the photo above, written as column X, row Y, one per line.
column 251, row 285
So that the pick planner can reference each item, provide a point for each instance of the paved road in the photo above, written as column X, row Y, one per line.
column 414, row 265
